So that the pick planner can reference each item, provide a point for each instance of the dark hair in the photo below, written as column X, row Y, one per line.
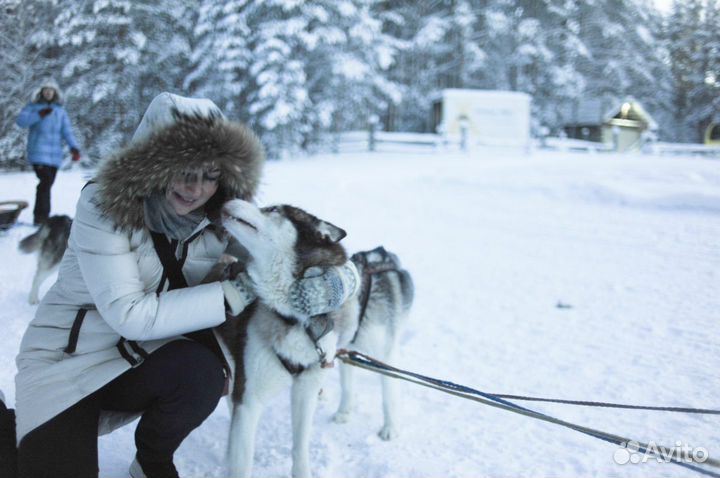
column 215, row 203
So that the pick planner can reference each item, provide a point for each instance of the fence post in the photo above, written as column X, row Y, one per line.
column 373, row 121
column 616, row 137
column 464, row 127
column 335, row 142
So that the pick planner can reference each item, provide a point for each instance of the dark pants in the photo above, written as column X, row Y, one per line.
column 176, row 389
column 8, row 453
column 46, row 175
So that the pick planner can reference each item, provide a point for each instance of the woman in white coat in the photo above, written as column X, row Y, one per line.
column 124, row 330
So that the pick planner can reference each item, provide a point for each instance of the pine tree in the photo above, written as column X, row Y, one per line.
column 296, row 70
column 98, row 50
column 438, row 46
column 22, row 67
column 165, row 57
column 348, row 55
column 220, row 55
column 292, row 69
column 695, row 53
column 706, row 95
column 540, row 49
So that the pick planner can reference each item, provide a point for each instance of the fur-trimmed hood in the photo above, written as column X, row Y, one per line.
column 178, row 134
column 48, row 83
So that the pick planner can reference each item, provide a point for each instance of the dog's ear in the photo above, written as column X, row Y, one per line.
column 330, row 231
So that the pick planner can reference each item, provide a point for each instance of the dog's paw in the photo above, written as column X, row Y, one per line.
column 33, row 300
column 341, row 417
column 387, row 433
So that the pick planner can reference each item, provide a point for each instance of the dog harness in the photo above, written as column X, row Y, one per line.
column 368, row 270
column 172, row 274
column 172, row 271
column 316, row 328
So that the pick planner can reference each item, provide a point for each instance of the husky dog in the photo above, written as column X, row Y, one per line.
column 385, row 297
column 271, row 349
column 51, row 241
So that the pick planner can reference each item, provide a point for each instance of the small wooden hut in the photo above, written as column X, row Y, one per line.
column 624, row 126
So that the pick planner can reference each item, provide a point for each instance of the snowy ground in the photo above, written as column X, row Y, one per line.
column 494, row 241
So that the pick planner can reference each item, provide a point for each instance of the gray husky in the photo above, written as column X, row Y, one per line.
column 385, row 297
column 50, row 240
column 271, row 349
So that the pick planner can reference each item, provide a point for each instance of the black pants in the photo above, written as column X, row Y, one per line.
column 46, row 175
column 8, row 453
column 176, row 389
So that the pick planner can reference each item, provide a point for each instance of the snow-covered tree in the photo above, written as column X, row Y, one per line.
column 694, row 43
column 625, row 58
column 21, row 68
column 535, row 48
column 438, row 47
column 165, row 58
column 220, row 56
column 349, row 54
column 246, row 58
column 292, row 69
column 297, row 69
column 111, row 57
column 98, row 49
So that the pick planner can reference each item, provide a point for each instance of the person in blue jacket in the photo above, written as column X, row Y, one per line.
column 49, row 124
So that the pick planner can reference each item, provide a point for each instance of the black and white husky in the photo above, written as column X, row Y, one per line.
column 50, row 241
column 274, row 350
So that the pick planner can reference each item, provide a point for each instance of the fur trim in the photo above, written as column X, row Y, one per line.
column 147, row 166
column 50, row 83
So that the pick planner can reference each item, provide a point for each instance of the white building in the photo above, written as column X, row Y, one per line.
column 483, row 117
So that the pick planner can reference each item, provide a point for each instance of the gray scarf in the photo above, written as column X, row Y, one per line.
column 160, row 217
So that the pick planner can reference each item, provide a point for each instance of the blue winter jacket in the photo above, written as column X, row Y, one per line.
column 44, row 144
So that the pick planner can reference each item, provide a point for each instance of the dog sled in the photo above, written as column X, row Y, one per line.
column 9, row 212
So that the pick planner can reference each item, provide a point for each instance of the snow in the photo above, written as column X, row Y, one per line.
column 350, row 67
column 431, row 33
column 494, row 240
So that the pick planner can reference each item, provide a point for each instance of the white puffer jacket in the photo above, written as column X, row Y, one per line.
column 111, row 268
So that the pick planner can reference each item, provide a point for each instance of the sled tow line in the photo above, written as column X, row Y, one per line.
column 499, row 401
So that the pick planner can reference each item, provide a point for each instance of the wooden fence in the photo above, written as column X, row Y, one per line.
column 359, row 141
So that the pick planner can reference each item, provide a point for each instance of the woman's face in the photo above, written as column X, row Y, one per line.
column 48, row 94
column 192, row 189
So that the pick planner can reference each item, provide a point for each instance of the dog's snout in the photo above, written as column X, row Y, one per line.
column 231, row 217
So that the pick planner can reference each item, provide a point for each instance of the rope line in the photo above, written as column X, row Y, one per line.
column 584, row 403
column 369, row 363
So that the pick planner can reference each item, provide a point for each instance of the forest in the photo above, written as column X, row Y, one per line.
column 298, row 71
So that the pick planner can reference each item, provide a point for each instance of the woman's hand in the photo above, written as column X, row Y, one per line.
column 239, row 293
column 323, row 290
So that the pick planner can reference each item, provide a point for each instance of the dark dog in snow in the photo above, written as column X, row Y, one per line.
column 50, row 242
